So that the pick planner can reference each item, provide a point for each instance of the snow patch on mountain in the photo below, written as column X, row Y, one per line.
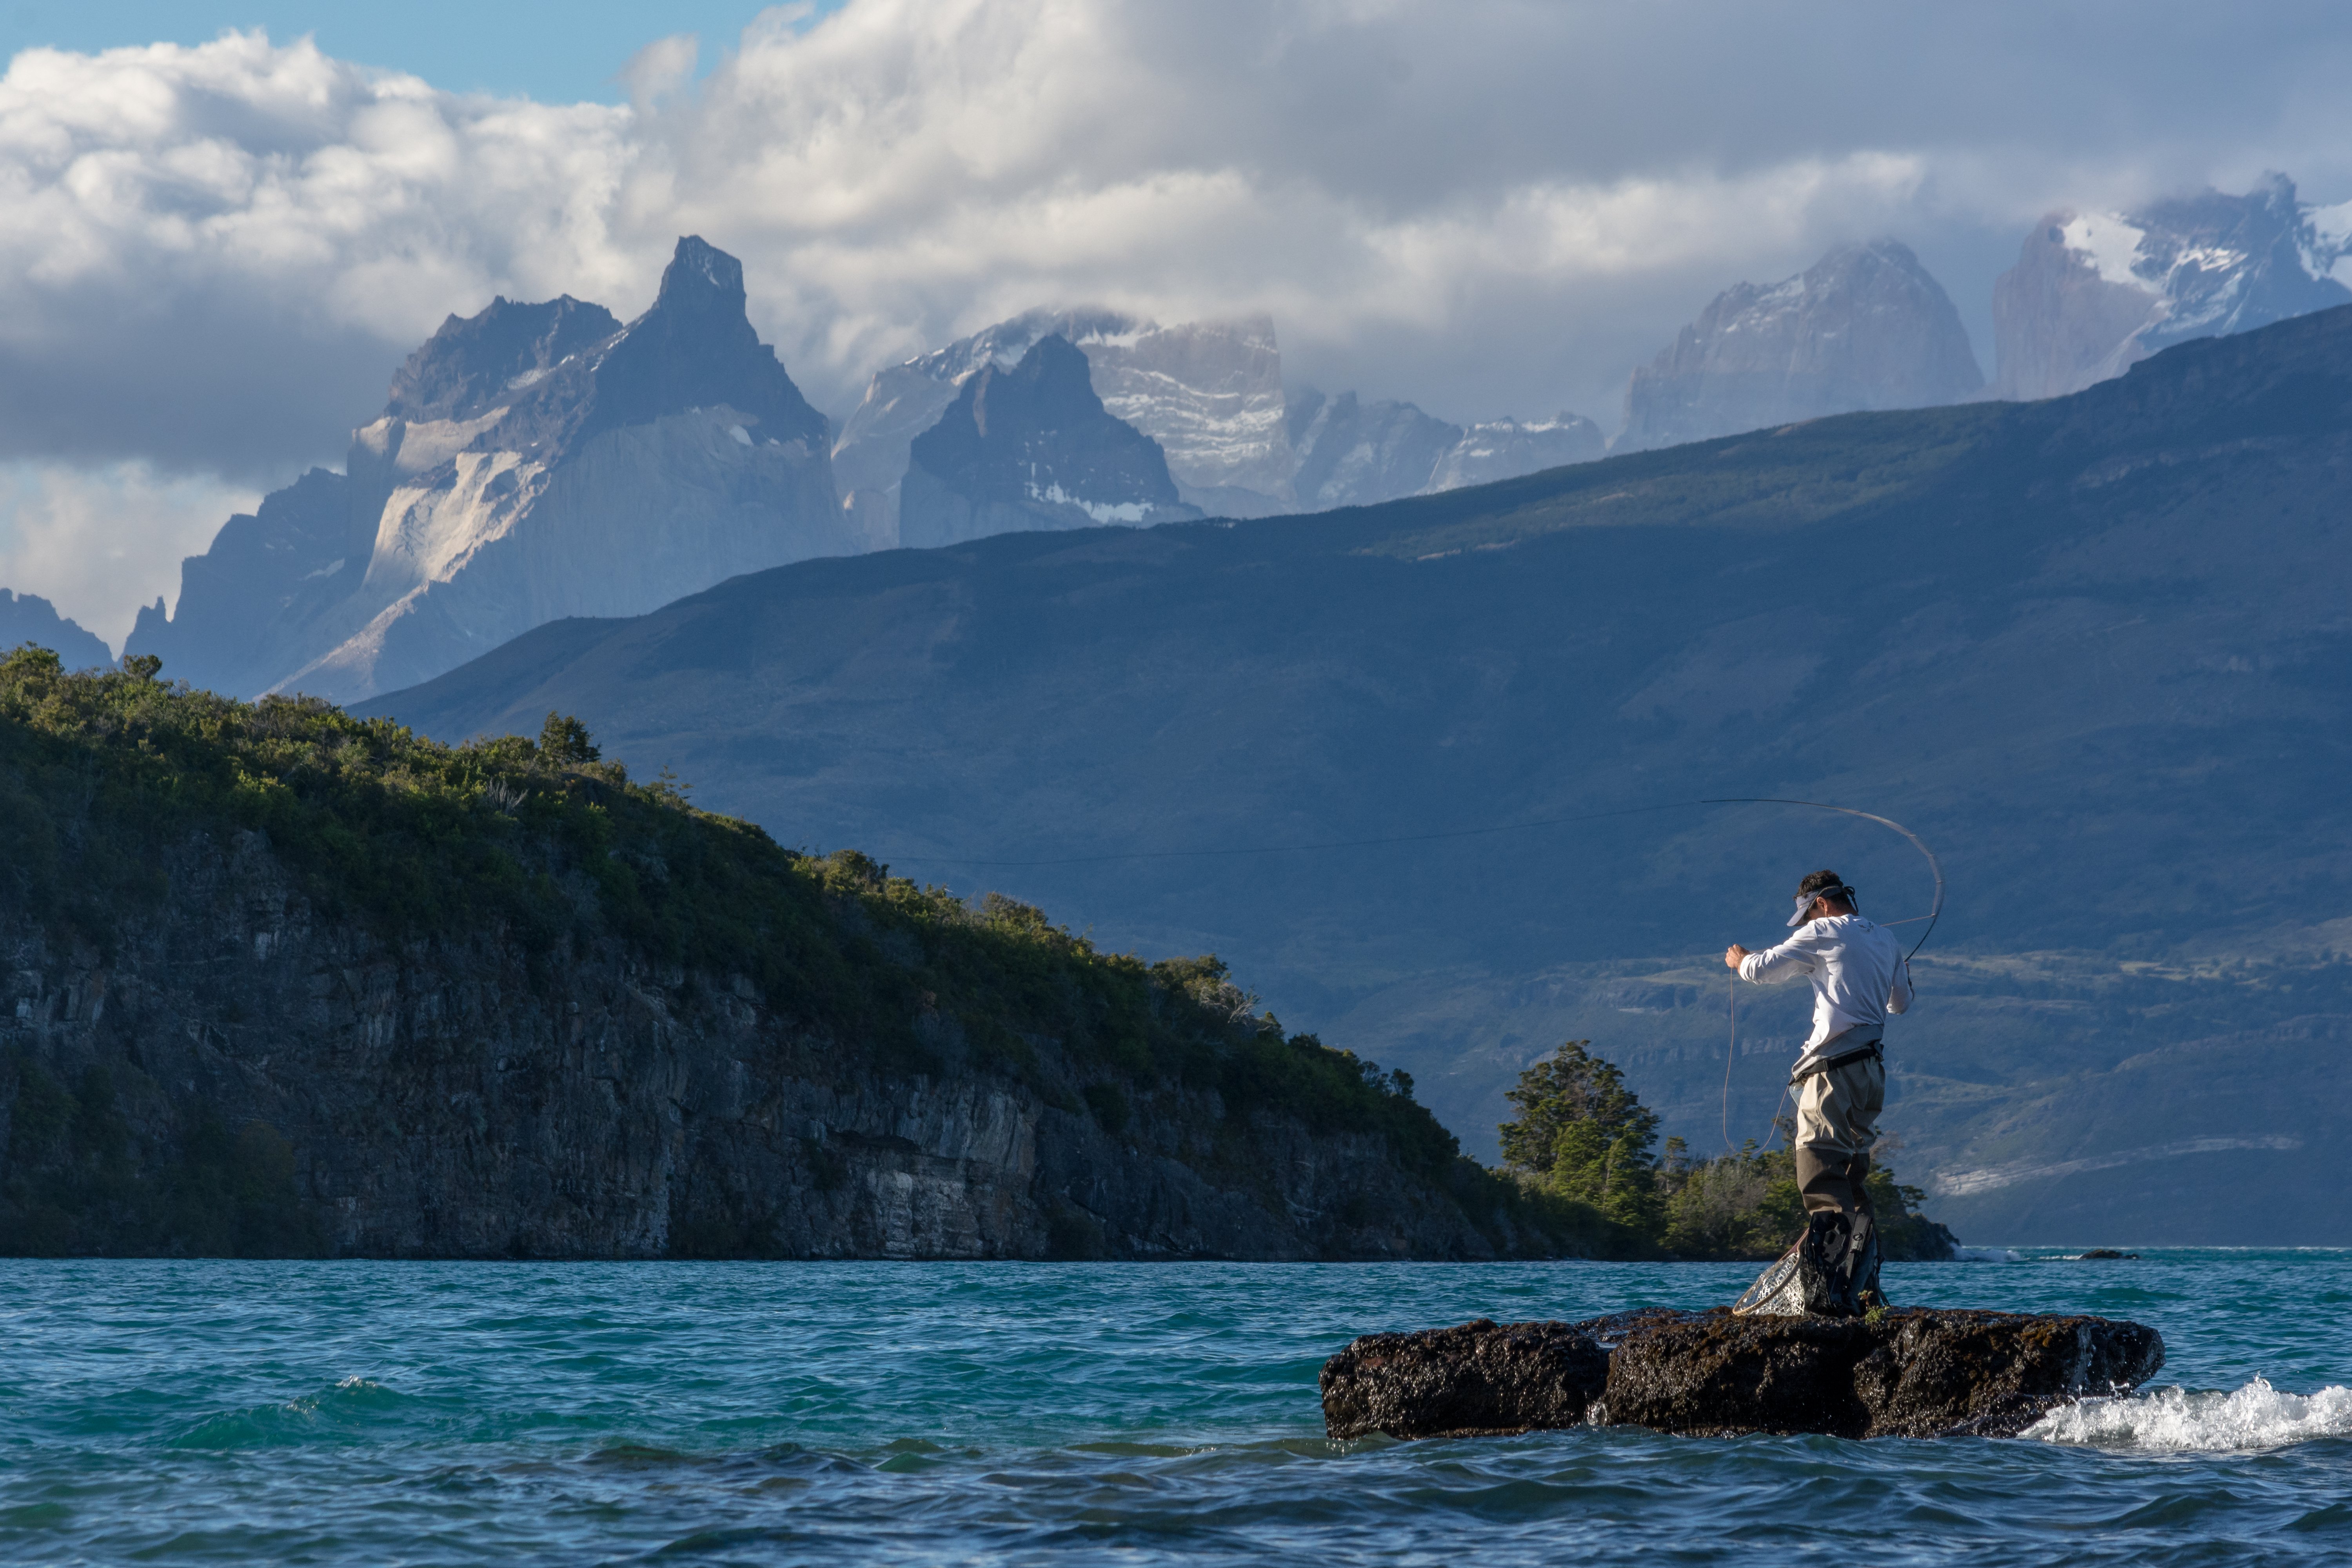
column 2110, row 244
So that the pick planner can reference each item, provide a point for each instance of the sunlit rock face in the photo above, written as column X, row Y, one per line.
column 1033, row 447
column 1864, row 328
column 1210, row 393
column 533, row 462
column 2093, row 293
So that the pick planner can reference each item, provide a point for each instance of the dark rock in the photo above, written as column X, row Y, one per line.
column 1916, row 1373
column 1481, row 1378
column 2105, row 1255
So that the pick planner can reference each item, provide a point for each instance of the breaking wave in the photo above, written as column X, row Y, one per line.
column 1986, row 1255
column 2172, row 1419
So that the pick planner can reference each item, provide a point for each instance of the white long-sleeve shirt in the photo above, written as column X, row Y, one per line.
column 1859, row 977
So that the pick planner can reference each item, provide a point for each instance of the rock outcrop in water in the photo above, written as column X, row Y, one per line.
column 1910, row 1373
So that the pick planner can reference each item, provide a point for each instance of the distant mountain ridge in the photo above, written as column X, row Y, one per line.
column 1210, row 394
column 2092, row 649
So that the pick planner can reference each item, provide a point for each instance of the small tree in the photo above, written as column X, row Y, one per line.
column 1586, row 1135
column 564, row 740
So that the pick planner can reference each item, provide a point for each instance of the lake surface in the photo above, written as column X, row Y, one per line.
column 760, row 1412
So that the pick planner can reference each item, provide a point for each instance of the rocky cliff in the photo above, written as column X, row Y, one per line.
column 532, row 462
column 1864, row 328
column 2093, row 293
column 1033, row 447
column 281, row 981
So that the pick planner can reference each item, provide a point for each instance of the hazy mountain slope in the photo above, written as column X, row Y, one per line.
column 533, row 461
column 1867, row 327
column 2093, row 649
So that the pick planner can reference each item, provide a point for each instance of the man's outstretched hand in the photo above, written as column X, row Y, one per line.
column 1732, row 955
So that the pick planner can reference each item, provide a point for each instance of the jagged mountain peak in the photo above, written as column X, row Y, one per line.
column 476, row 362
column 1209, row 392
column 1033, row 447
column 1865, row 327
column 696, row 348
column 701, row 275
column 534, row 461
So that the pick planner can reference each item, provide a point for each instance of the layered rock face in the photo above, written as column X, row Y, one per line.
column 1209, row 393
column 533, row 462
column 2093, row 293
column 29, row 618
column 1914, row 1372
column 1864, row 328
column 1353, row 454
column 479, row 1096
column 1033, row 447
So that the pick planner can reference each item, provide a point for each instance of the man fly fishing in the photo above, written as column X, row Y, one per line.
column 1860, row 974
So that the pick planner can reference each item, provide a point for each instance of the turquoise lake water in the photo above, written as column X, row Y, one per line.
column 768, row 1412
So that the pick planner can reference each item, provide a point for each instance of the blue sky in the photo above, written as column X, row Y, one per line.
column 555, row 53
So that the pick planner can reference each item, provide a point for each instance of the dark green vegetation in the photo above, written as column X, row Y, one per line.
column 2093, row 650
column 103, row 775
column 1583, row 1136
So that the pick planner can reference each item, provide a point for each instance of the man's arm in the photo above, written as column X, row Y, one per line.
column 1898, row 1000
column 1774, row 964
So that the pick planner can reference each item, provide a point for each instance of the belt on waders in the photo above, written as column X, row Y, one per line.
column 1842, row 1059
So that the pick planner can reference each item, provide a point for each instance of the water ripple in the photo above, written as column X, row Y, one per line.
column 430, row 1413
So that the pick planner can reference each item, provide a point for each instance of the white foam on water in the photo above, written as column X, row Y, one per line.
column 2175, row 1421
column 1986, row 1255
